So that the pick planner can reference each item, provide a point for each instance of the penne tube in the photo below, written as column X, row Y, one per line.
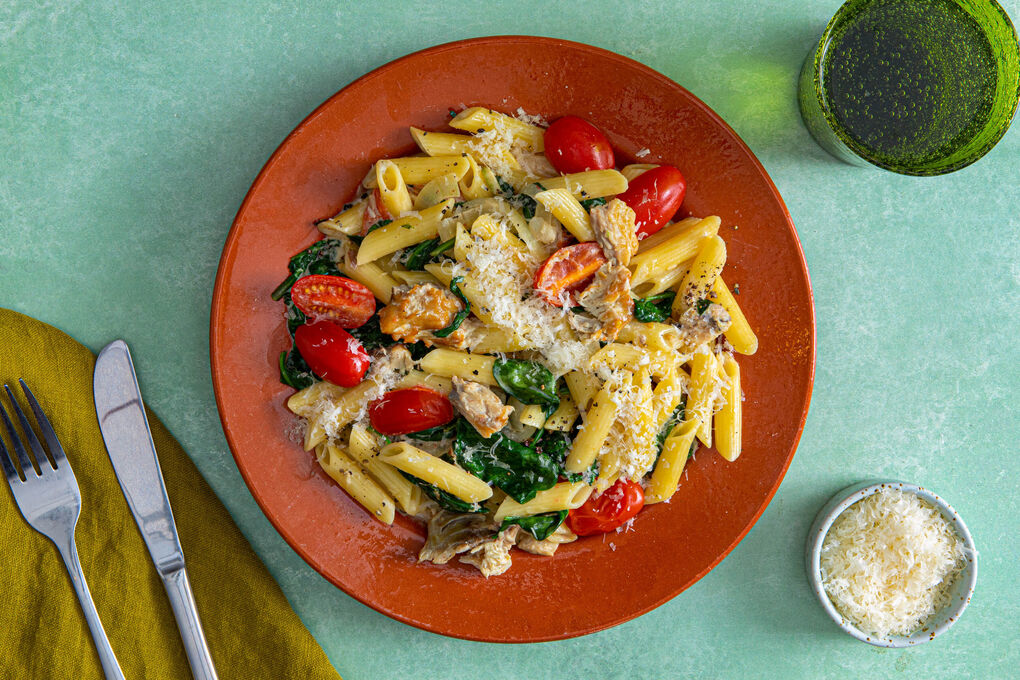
column 402, row 232
column 435, row 382
column 441, row 143
column 597, row 422
column 420, row 170
column 450, row 362
column 701, row 401
column 563, row 496
column 302, row 402
column 660, row 363
column 728, row 419
column 569, row 211
column 347, row 223
column 739, row 334
column 478, row 119
column 392, row 188
column 583, row 387
column 372, row 276
column 473, row 185
column 666, row 475
column 436, row 471
column 356, row 482
column 684, row 245
column 589, row 184
column 414, row 278
column 363, row 448
column 652, row 335
column 697, row 285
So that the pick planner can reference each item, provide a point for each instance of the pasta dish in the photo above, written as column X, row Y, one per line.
column 510, row 339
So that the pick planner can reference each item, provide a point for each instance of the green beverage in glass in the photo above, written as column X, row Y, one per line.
column 919, row 87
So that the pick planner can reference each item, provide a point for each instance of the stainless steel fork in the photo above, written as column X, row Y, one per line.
column 48, row 497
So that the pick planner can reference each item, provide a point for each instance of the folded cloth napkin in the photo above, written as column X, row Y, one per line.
column 250, row 627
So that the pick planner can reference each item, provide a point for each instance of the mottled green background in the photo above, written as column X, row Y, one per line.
column 129, row 133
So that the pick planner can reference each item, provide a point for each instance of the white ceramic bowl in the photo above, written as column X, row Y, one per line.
column 940, row 621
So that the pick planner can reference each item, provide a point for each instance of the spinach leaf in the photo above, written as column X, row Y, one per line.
column 526, row 204
column 445, row 500
column 370, row 335
column 654, row 307
column 294, row 371
column 518, row 470
column 539, row 526
column 458, row 319
column 590, row 203
column 318, row 258
column 442, row 247
column 702, row 305
column 528, row 381
column 420, row 254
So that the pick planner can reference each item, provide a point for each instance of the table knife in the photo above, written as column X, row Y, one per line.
column 129, row 442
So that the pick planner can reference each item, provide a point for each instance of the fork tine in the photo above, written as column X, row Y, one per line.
column 5, row 460
column 56, row 450
column 23, row 459
column 41, row 458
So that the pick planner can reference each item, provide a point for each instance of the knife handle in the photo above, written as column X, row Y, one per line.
column 182, row 601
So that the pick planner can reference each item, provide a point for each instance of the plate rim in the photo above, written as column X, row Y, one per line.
column 228, row 253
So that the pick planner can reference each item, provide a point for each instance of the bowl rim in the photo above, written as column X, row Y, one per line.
column 820, row 529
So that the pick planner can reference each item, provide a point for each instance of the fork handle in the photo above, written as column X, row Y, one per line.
column 106, row 657
column 182, row 601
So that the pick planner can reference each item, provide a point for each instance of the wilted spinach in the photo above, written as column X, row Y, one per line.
column 526, row 204
column 539, row 526
column 590, row 203
column 654, row 307
column 294, row 371
column 519, row 470
column 458, row 319
column 528, row 381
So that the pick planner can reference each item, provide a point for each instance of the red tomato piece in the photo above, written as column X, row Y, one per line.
column 346, row 303
column 573, row 144
column 332, row 353
column 655, row 196
column 569, row 269
column 408, row 410
column 374, row 211
column 608, row 511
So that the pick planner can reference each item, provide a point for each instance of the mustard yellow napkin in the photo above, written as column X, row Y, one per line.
column 251, row 629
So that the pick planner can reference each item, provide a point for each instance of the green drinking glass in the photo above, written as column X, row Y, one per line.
column 919, row 87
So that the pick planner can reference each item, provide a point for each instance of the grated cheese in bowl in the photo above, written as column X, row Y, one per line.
column 888, row 562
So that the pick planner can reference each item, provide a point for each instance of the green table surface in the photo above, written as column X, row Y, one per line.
column 130, row 132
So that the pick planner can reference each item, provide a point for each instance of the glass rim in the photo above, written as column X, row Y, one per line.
column 856, row 148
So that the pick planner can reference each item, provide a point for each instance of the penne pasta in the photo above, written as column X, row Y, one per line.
column 477, row 119
column 683, row 245
column 347, row 223
column 728, row 419
column 563, row 496
column 739, row 334
column 420, row 170
column 636, row 170
column 568, row 210
column 697, row 285
column 589, row 184
column 392, row 188
column 436, row 471
column 401, row 233
column 701, row 402
column 597, row 421
column 356, row 482
column 363, row 448
column 666, row 475
column 450, row 362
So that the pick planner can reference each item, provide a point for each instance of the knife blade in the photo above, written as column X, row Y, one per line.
column 128, row 439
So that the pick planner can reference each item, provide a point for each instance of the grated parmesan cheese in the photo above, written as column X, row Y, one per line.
column 888, row 561
column 643, row 152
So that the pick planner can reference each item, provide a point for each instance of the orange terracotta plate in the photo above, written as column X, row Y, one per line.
column 595, row 582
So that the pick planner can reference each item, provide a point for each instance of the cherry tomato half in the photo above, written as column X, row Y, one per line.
column 332, row 353
column 610, row 510
column 346, row 303
column 411, row 409
column 573, row 144
column 568, row 269
column 655, row 196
